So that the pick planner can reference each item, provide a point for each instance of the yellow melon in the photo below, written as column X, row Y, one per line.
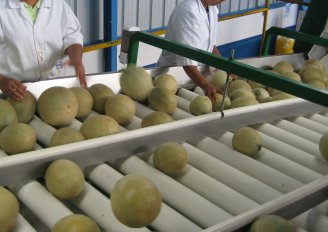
column 323, row 146
column 8, row 114
column 65, row 135
column 282, row 96
column 238, row 84
column 247, row 141
column 162, row 99
column 218, row 79
column 200, row 105
column 76, row 223
column 312, row 74
column 57, row 106
column 261, row 95
column 315, row 62
column 84, row 100
column 255, row 85
column 170, row 158
column 98, row 126
column 136, row 201
column 100, row 93
column 156, row 118
column 9, row 210
column 168, row 81
column 241, row 93
column 283, row 66
column 243, row 101
column 272, row 223
column 17, row 138
column 64, row 179
column 292, row 75
column 218, row 101
column 25, row 108
column 317, row 84
column 120, row 107
column 136, row 83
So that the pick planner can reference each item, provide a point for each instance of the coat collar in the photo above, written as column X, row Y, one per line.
column 16, row 3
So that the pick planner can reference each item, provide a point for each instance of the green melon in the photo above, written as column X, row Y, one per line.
column 323, row 146
column 241, row 93
column 100, row 93
column 243, row 101
column 272, row 223
column 200, row 105
column 120, row 107
column 84, row 100
column 306, row 67
column 98, row 126
column 156, row 118
column 17, row 138
column 76, row 223
column 247, row 141
column 281, row 96
column 283, row 66
column 162, row 99
column 313, row 74
column 317, row 84
column 238, row 84
column 64, row 179
column 65, row 135
column 136, row 201
column 57, row 106
column 8, row 114
column 255, row 85
column 274, row 92
column 167, row 81
column 261, row 95
column 9, row 210
column 292, row 75
column 170, row 157
column 219, row 78
column 315, row 62
column 136, row 83
column 218, row 101
column 25, row 108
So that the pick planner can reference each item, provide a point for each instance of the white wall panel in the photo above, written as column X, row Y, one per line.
column 157, row 18
column 144, row 16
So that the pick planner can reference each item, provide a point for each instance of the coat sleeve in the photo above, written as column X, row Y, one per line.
column 71, row 28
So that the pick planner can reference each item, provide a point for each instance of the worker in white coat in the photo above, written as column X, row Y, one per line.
column 34, row 35
column 194, row 23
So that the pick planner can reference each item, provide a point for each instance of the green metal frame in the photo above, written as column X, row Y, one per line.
column 231, row 66
column 311, row 39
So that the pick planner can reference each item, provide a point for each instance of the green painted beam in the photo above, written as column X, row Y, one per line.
column 231, row 66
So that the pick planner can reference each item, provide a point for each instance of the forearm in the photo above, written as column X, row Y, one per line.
column 216, row 51
column 195, row 75
column 75, row 52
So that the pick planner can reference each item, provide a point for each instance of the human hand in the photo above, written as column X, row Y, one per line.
column 210, row 91
column 13, row 88
column 80, row 72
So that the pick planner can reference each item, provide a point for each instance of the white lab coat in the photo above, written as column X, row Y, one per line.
column 28, row 51
column 190, row 24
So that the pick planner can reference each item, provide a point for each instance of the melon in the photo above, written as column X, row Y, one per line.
column 218, row 79
column 155, row 118
column 200, row 105
column 170, row 157
column 274, row 92
column 167, row 81
column 261, row 95
column 162, row 99
column 57, row 106
column 76, row 223
column 121, row 108
column 238, row 84
column 272, row 223
column 136, row 83
column 98, row 126
column 84, row 100
column 248, row 141
column 243, row 101
column 281, row 96
column 283, row 66
column 100, row 93
column 25, row 108
column 241, row 93
column 9, row 210
column 323, row 146
column 8, row 114
column 65, row 135
column 316, row 63
column 312, row 74
column 64, row 179
column 292, row 75
column 317, row 84
column 255, row 85
column 218, row 102
column 306, row 67
column 136, row 201
column 17, row 138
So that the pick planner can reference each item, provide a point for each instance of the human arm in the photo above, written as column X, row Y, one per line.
column 195, row 75
column 75, row 52
column 12, row 87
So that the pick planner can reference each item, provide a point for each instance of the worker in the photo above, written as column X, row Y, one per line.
column 194, row 23
column 34, row 35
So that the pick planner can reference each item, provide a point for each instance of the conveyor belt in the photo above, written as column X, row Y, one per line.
column 220, row 190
